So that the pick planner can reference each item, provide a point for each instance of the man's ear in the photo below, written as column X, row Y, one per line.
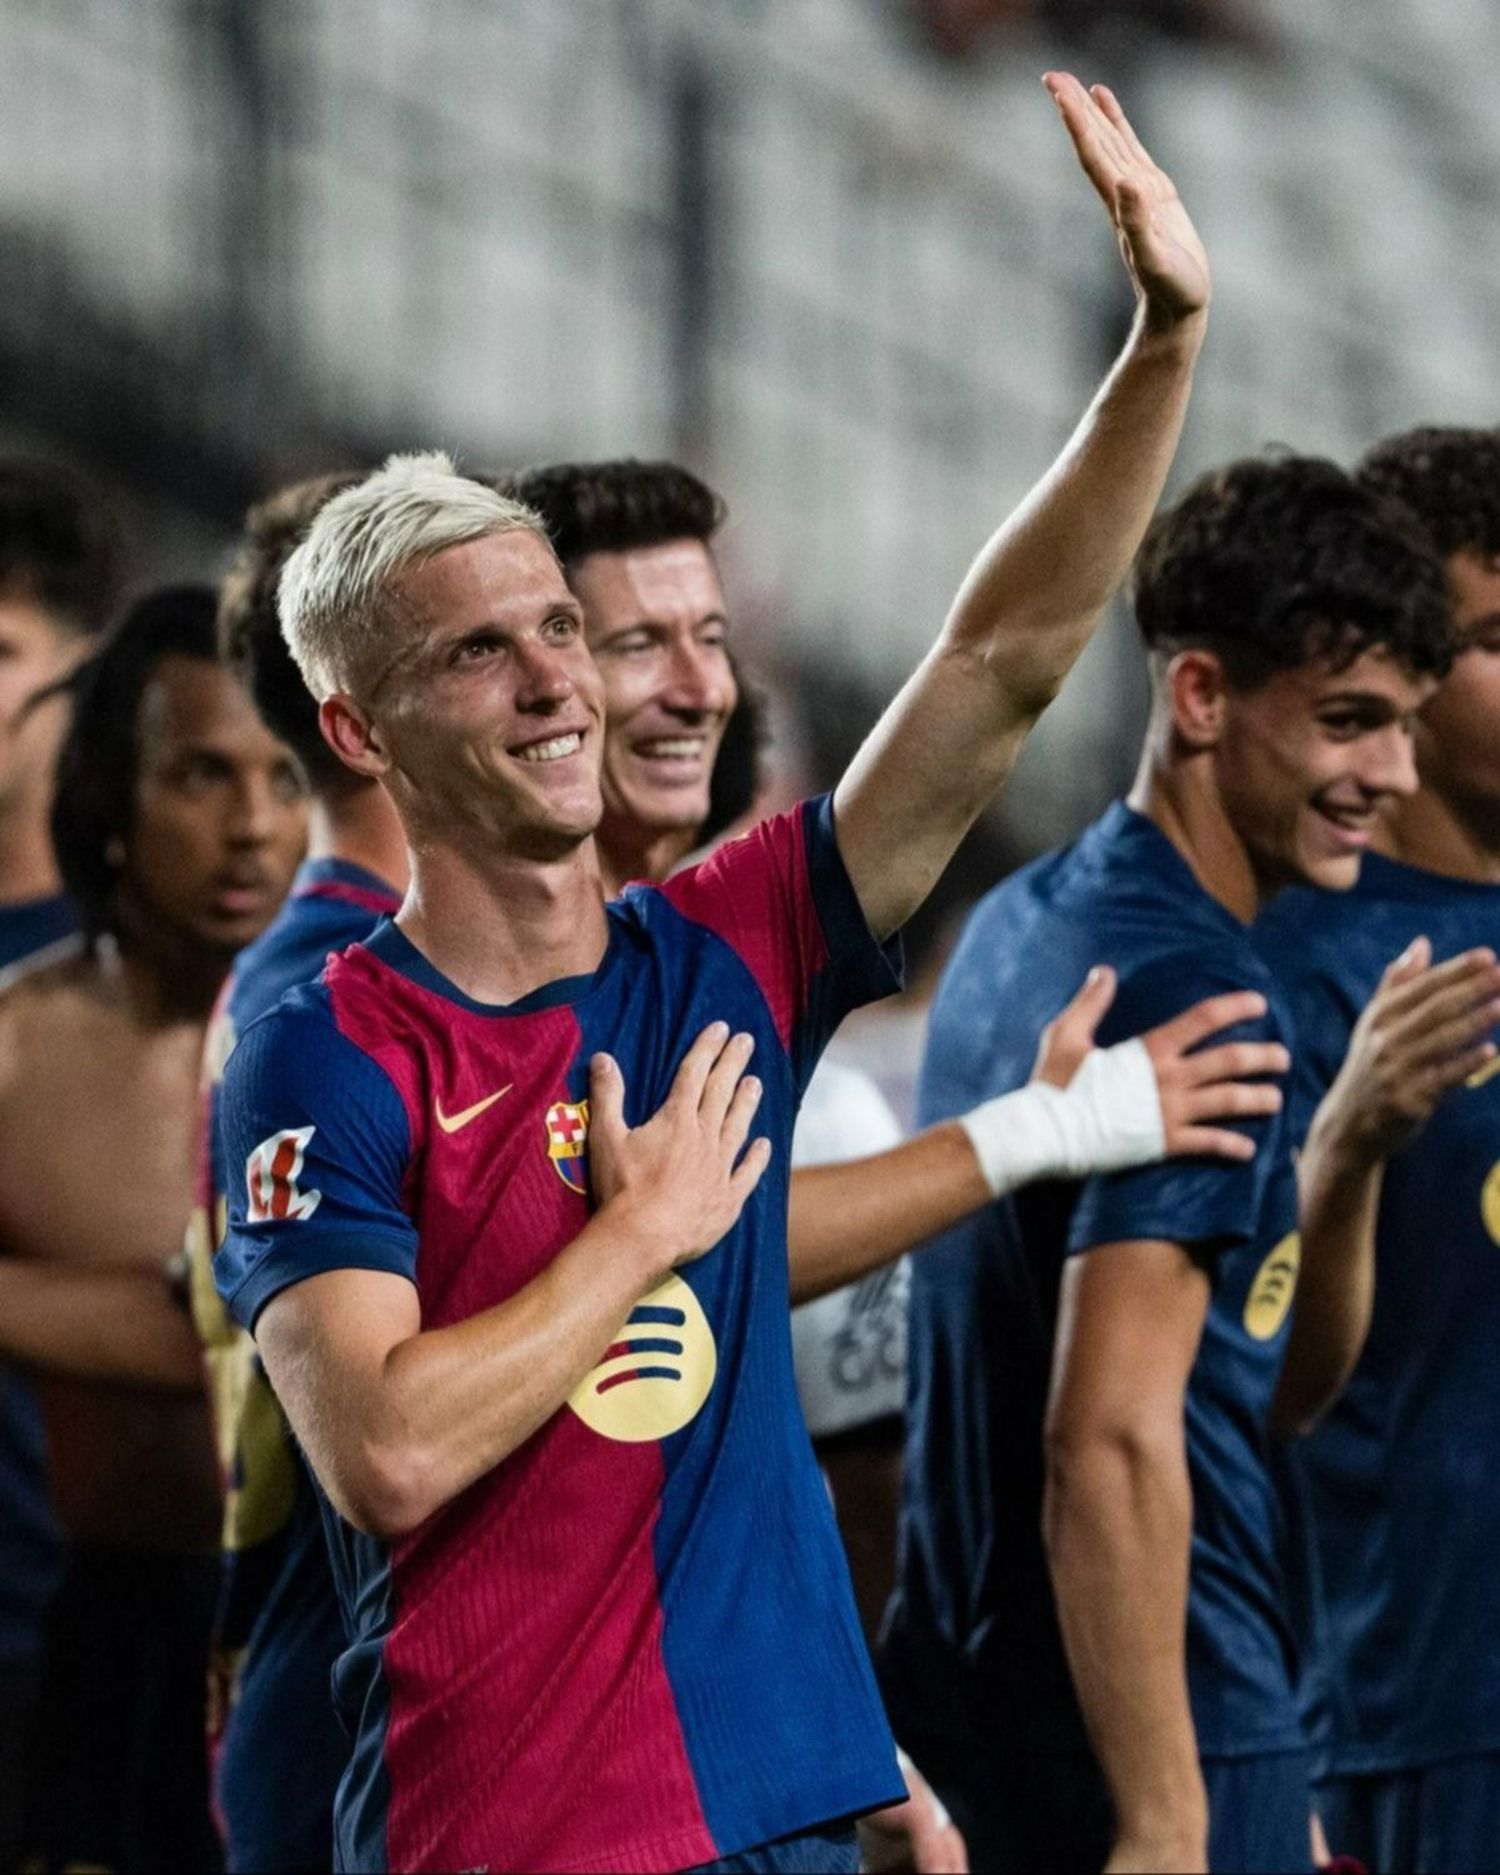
column 1197, row 696
column 351, row 735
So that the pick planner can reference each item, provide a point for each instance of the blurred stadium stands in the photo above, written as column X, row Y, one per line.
column 856, row 282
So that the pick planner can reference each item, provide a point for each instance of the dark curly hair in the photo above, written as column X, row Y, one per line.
column 60, row 543
column 94, row 800
column 1279, row 559
column 1448, row 478
column 250, row 628
column 606, row 507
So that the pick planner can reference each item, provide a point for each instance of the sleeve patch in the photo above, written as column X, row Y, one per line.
column 271, row 1173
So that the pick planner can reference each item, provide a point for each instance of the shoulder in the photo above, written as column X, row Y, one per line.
column 1161, row 980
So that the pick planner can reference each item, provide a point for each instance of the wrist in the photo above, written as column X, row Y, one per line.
column 1175, row 338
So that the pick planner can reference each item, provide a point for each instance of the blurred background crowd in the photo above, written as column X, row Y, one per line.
column 829, row 252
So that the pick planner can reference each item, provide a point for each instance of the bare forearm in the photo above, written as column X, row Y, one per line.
column 1339, row 1198
column 394, row 1443
column 1024, row 613
column 1118, row 1521
column 1033, row 595
column 851, row 1218
column 115, row 1325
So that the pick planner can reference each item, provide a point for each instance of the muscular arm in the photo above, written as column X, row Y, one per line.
column 1118, row 1526
column 397, row 1420
column 1032, row 598
column 120, row 1325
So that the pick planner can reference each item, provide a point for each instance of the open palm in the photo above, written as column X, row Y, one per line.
column 1166, row 259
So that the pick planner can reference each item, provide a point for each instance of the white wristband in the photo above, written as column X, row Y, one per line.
column 1107, row 1118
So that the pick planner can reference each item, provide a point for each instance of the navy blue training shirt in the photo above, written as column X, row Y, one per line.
column 974, row 1645
column 1395, row 1498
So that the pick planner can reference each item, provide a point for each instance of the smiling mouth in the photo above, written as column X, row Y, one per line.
column 672, row 748
column 1354, row 825
column 554, row 749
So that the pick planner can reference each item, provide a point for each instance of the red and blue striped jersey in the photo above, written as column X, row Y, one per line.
column 632, row 1645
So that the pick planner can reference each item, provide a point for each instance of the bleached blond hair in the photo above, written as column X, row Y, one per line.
column 333, row 593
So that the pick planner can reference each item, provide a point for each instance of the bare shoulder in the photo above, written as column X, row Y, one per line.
column 48, row 1010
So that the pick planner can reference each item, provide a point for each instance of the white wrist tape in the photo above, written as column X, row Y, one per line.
column 1108, row 1117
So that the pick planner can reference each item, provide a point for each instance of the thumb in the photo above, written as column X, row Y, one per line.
column 1411, row 963
column 1091, row 1004
column 606, row 1097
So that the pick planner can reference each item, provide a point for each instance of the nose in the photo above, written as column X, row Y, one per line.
column 259, row 810
column 698, row 680
column 1390, row 766
column 544, row 678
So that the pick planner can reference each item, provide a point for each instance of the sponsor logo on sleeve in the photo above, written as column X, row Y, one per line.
column 271, row 1174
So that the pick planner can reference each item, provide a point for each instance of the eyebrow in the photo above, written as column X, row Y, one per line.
column 661, row 625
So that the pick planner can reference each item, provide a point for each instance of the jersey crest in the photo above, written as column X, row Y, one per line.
column 567, row 1142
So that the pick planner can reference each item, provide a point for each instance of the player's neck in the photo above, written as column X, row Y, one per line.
column 502, row 929
column 626, row 854
column 28, row 869
column 359, row 826
column 1434, row 833
column 166, row 980
column 1184, row 802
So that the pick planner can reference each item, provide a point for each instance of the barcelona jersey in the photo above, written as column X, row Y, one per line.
column 279, row 1628
column 975, row 1654
column 631, row 1645
column 1395, row 1496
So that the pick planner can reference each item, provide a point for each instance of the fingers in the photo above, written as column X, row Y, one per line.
column 1109, row 104
column 742, row 1109
column 693, row 1072
column 1411, row 963
column 1231, row 1061
column 1204, row 1019
column 749, row 1172
column 1430, row 1035
column 1096, row 143
column 723, row 1079
column 1089, row 1006
column 1209, row 1142
column 1228, row 1100
column 606, row 1098
column 1406, row 985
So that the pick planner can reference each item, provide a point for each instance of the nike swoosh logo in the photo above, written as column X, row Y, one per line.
column 1481, row 1075
column 454, row 1122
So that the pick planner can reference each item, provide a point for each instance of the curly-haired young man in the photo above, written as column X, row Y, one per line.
column 1089, row 1561
column 1394, row 1496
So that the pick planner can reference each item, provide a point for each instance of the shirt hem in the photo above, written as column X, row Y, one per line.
column 1386, row 1760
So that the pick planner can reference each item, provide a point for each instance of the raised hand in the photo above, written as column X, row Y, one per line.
column 1166, row 259
column 1195, row 1086
column 680, row 1176
column 1421, row 1035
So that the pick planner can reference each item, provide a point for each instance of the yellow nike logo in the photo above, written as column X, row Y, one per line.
column 1486, row 1073
column 452, row 1122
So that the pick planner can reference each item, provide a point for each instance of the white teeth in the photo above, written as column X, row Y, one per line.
column 673, row 745
column 554, row 750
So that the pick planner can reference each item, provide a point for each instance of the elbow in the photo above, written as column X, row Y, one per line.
column 1097, row 1469
column 387, row 1491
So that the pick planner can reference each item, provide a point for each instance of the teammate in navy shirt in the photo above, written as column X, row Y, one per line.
column 1089, row 1578
column 599, row 1611
column 1394, row 1498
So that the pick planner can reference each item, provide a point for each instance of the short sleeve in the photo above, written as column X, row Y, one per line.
column 782, row 898
column 315, row 1143
column 1208, row 1204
